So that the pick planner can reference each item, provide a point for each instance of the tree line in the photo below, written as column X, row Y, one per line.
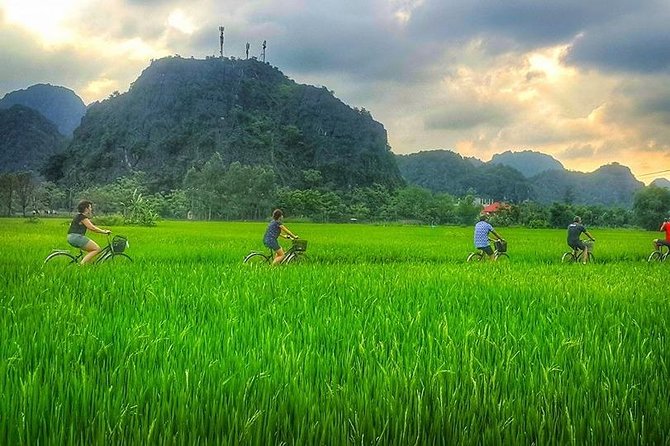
column 220, row 191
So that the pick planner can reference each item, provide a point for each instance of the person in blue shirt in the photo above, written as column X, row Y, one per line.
column 272, row 233
column 482, row 230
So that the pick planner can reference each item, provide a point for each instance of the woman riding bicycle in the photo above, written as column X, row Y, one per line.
column 77, row 233
column 272, row 233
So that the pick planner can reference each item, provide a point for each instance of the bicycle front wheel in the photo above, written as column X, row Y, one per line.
column 118, row 258
column 475, row 257
column 256, row 258
column 294, row 257
column 60, row 258
column 502, row 256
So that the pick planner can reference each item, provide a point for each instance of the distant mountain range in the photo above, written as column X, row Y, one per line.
column 180, row 112
column 502, row 178
column 58, row 104
column 527, row 162
column 661, row 182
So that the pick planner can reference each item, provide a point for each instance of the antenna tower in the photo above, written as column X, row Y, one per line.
column 248, row 50
column 221, row 29
column 265, row 44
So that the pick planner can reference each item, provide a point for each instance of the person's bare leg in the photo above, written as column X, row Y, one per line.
column 279, row 256
column 92, row 249
column 586, row 255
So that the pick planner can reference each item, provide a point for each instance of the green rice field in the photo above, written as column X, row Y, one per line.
column 385, row 336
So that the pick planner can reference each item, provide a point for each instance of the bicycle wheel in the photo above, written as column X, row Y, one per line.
column 568, row 257
column 294, row 257
column 60, row 258
column 256, row 258
column 117, row 258
column 655, row 256
column 502, row 256
column 475, row 257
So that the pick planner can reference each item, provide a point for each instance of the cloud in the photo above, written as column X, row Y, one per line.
column 578, row 152
column 572, row 78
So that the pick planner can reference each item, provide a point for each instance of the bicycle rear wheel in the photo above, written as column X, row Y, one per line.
column 60, row 258
column 257, row 258
column 475, row 257
column 655, row 256
column 568, row 257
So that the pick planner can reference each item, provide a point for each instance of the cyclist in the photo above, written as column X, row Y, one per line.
column 76, row 235
column 575, row 229
column 481, row 236
column 272, row 233
column 665, row 227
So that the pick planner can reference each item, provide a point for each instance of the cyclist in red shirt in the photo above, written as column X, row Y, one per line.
column 665, row 227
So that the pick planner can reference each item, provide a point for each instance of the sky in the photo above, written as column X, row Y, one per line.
column 587, row 82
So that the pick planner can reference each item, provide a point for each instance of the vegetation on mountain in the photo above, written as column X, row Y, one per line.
column 446, row 171
column 59, row 105
column 180, row 112
column 27, row 139
column 610, row 185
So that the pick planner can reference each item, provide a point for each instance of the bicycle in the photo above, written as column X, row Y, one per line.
column 661, row 253
column 499, row 253
column 113, row 250
column 295, row 254
column 577, row 255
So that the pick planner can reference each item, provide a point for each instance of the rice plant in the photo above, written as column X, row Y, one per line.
column 386, row 336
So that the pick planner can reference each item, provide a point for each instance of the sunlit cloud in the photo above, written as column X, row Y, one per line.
column 179, row 21
column 478, row 77
column 46, row 19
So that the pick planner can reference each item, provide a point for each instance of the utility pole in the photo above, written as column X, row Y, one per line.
column 221, row 29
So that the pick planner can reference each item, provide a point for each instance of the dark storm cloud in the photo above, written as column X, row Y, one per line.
column 466, row 116
column 633, row 44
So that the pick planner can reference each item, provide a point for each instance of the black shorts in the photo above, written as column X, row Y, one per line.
column 487, row 249
column 577, row 245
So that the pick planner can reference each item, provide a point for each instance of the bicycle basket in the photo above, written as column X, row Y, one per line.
column 299, row 245
column 119, row 243
column 501, row 245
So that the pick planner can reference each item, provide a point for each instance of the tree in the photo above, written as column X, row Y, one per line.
column 7, row 191
column 651, row 206
column 560, row 215
column 25, row 190
column 467, row 210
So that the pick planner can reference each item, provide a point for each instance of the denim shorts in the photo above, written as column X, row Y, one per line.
column 77, row 240
column 272, row 243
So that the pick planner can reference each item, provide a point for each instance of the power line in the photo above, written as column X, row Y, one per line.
column 653, row 173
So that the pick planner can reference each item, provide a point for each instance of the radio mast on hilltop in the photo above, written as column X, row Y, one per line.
column 265, row 44
column 221, row 28
column 248, row 50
